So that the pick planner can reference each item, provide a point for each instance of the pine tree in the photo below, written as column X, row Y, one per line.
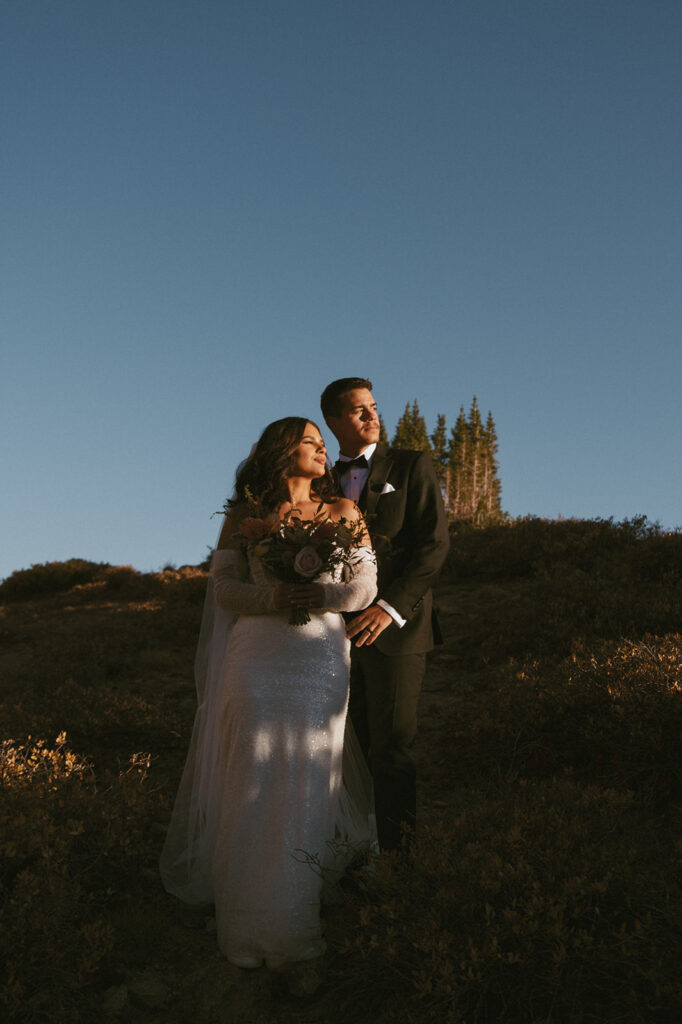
column 439, row 448
column 493, row 488
column 473, row 486
column 475, row 429
column 403, row 429
column 383, row 435
column 411, row 430
column 458, row 468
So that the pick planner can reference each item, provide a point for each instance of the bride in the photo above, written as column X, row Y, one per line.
column 264, row 814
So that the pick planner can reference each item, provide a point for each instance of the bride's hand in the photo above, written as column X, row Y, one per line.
column 299, row 595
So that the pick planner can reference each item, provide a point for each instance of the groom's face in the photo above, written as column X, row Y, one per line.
column 357, row 426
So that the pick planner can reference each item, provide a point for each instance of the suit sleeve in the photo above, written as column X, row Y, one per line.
column 424, row 537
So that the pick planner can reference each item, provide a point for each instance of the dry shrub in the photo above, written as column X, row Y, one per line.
column 611, row 714
column 539, row 586
column 115, row 668
column 50, row 578
column 111, row 660
column 530, row 546
column 540, row 902
column 70, row 850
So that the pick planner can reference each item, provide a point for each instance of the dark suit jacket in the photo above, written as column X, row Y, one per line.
column 409, row 532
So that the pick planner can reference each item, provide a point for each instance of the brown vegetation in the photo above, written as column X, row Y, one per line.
column 544, row 885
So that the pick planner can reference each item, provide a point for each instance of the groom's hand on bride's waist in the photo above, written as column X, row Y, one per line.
column 366, row 627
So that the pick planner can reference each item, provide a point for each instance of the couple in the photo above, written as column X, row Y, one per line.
column 274, row 798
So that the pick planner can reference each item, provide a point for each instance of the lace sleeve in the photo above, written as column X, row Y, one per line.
column 232, row 589
column 360, row 590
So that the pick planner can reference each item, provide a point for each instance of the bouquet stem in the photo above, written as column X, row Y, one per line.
column 298, row 616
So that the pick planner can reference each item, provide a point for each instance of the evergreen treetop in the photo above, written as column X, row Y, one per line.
column 439, row 447
column 411, row 430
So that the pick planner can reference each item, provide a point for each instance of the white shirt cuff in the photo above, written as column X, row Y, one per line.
column 398, row 619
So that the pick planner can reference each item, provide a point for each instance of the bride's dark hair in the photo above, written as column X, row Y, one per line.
column 265, row 472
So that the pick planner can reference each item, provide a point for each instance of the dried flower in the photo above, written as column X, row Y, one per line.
column 252, row 528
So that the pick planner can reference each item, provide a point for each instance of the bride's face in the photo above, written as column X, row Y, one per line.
column 310, row 456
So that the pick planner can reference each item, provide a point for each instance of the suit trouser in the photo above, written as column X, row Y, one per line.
column 384, row 693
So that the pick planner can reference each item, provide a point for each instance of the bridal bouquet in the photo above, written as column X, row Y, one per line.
column 299, row 551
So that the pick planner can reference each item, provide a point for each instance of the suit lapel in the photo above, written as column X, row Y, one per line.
column 378, row 474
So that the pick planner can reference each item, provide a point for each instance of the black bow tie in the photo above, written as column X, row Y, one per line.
column 345, row 465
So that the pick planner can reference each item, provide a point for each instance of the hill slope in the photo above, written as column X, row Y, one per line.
column 545, row 884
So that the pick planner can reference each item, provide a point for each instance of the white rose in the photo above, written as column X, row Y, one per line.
column 307, row 562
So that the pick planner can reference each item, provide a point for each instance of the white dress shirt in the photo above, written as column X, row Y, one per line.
column 355, row 479
column 352, row 484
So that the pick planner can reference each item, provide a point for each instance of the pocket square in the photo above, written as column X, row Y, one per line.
column 387, row 489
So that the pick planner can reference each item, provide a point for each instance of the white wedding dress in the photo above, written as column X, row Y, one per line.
column 272, row 804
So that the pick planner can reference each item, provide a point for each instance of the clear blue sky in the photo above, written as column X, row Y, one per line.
column 211, row 208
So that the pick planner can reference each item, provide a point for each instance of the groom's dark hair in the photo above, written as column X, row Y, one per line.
column 334, row 392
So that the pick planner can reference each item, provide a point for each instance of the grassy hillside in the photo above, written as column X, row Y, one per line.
column 545, row 882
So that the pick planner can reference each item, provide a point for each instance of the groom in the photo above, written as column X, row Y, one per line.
column 398, row 492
